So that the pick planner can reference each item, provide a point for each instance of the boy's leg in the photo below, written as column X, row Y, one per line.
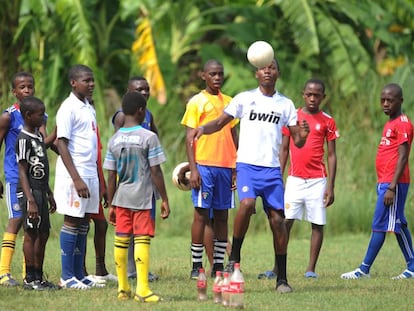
column 220, row 241
column 315, row 248
column 132, row 272
column 121, row 255
column 406, row 245
column 197, row 236
column 30, row 255
column 208, row 242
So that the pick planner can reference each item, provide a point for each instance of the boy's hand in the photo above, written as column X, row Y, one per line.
column 1, row 190
column 112, row 215
column 165, row 210
column 81, row 188
column 52, row 203
column 32, row 209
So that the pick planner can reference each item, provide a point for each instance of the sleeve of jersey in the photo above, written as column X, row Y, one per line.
column 110, row 161
column 156, row 154
column 285, row 131
column 192, row 113
column 21, row 149
column 292, row 115
column 64, row 118
column 332, row 130
column 403, row 135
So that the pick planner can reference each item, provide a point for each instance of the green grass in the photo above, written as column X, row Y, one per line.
column 170, row 258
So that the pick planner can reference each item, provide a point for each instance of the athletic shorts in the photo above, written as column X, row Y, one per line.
column 69, row 203
column 215, row 191
column 100, row 215
column 134, row 222
column 13, row 206
column 259, row 181
column 43, row 205
column 304, row 199
column 390, row 218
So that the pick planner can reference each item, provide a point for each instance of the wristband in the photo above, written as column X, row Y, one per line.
column 392, row 190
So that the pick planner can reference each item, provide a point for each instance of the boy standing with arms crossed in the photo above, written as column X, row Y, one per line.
column 134, row 156
column 34, row 192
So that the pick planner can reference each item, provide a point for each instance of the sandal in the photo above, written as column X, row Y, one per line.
column 269, row 275
column 149, row 298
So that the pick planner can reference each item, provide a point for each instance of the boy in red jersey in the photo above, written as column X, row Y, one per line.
column 393, row 182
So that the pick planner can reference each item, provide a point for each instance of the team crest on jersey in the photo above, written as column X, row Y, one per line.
column 16, row 207
column 204, row 195
column 76, row 204
column 287, row 205
column 318, row 127
column 245, row 188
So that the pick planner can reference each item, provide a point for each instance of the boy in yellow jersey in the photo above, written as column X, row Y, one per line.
column 212, row 163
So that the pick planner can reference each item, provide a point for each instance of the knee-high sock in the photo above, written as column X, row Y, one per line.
column 142, row 251
column 131, row 258
column 406, row 245
column 219, row 253
column 68, row 237
column 374, row 246
column 235, row 250
column 80, row 250
column 197, row 255
column 121, row 257
column 7, row 251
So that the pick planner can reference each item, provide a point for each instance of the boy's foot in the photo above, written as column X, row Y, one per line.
column 149, row 298
column 8, row 280
column 194, row 274
column 152, row 277
column 33, row 285
column 104, row 278
column 267, row 275
column 283, row 287
column 406, row 274
column 90, row 281
column 230, row 266
column 311, row 275
column 73, row 283
column 355, row 274
column 124, row 294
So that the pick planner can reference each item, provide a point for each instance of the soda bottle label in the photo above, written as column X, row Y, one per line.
column 237, row 287
column 217, row 288
column 201, row 283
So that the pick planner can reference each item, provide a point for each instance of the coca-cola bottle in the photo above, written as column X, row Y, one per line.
column 225, row 287
column 237, row 288
column 218, row 282
column 202, row 285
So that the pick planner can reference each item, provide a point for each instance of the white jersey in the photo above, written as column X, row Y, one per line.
column 76, row 121
column 261, row 121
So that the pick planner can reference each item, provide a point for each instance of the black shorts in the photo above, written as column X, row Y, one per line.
column 43, row 206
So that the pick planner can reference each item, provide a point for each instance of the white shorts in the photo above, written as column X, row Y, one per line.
column 69, row 203
column 304, row 199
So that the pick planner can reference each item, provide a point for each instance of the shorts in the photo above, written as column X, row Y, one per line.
column 390, row 218
column 69, row 203
column 304, row 199
column 134, row 222
column 215, row 190
column 42, row 202
column 13, row 206
column 100, row 215
column 259, row 181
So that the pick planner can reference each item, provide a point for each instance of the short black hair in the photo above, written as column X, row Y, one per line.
column 315, row 81
column 136, row 78
column 131, row 102
column 30, row 104
column 24, row 74
column 76, row 70
column 212, row 62
column 395, row 87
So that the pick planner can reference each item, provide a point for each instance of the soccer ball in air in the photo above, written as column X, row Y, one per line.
column 176, row 182
column 260, row 54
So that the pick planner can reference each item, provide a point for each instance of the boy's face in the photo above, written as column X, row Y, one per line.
column 140, row 86
column 267, row 76
column 24, row 87
column 391, row 101
column 214, row 77
column 313, row 95
column 84, row 85
column 36, row 118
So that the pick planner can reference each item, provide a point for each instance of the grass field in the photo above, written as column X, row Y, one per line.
column 171, row 260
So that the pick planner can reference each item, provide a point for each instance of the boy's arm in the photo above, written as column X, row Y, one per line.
column 32, row 209
column 158, row 180
column 51, row 199
column 4, row 126
column 80, row 186
column 153, row 126
column 299, row 133
column 284, row 153
column 403, row 151
column 195, row 179
column 119, row 120
column 329, row 192
column 111, row 187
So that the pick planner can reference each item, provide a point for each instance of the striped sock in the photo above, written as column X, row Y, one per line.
column 79, row 254
column 7, row 251
column 141, row 254
column 121, row 255
column 219, row 253
column 197, row 255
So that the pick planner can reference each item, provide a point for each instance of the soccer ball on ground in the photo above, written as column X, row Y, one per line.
column 180, row 185
column 260, row 54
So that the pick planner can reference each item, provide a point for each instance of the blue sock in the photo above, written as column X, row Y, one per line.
column 406, row 245
column 374, row 246
column 68, row 237
column 79, row 254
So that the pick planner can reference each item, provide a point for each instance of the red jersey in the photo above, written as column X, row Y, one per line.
column 307, row 162
column 396, row 132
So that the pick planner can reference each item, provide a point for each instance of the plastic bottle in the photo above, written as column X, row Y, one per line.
column 237, row 288
column 218, row 282
column 225, row 287
column 202, row 285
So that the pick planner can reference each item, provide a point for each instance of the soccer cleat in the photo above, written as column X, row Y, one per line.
column 267, row 275
column 90, row 281
column 124, row 294
column 152, row 277
column 8, row 280
column 73, row 283
column 406, row 274
column 283, row 287
column 311, row 275
column 355, row 274
column 108, row 277
column 194, row 274
column 33, row 285
column 230, row 266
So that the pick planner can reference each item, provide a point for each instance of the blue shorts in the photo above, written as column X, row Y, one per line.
column 215, row 191
column 13, row 206
column 390, row 218
column 258, row 181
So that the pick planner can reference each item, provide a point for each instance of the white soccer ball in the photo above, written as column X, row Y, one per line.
column 260, row 54
column 176, row 182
